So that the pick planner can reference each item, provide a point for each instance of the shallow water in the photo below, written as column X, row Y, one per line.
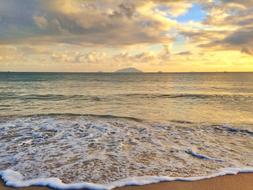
column 103, row 149
column 100, row 128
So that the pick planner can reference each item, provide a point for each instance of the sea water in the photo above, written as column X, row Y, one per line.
column 101, row 130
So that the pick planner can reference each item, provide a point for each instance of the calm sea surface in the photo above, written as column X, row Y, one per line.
column 103, row 127
column 207, row 97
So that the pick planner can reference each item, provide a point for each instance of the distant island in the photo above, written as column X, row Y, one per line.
column 129, row 70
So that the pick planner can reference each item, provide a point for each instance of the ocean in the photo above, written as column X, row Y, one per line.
column 106, row 129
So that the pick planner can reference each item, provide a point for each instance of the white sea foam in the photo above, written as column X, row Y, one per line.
column 106, row 150
column 15, row 179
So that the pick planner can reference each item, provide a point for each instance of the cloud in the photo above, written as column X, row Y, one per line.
column 41, row 22
column 247, row 50
column 245, row 3
column 240, row 37
column 173, row 8
column 184, row 53
column 162, row 56
column 79, row 57
column 10, row 53
column 113, row 32
column 228, row 26
column 82, row 22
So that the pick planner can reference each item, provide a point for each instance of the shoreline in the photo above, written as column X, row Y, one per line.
column 241, row 181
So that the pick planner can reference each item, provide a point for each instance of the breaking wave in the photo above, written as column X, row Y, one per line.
column 107, row 151
column 15, row 179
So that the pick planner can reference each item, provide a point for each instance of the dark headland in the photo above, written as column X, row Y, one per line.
column 129, row 70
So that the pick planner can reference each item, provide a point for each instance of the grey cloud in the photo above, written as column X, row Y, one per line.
column 184, row 53
column 109, row 22
column 38, row 21
column 241, row 2
column 240, row 37
column 247, row 50
column 239, row 40
column 228, row 25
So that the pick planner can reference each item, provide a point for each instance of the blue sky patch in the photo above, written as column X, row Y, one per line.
column 195, row 13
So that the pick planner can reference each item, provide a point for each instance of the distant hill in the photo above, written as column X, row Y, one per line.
column 129, row 70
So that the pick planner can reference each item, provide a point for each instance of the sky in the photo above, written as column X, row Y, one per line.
column 107, row 35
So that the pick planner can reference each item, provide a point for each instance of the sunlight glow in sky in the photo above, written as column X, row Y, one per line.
column 106, row 35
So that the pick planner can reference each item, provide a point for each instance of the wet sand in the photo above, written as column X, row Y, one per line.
column 229, row 182
column 2, row 187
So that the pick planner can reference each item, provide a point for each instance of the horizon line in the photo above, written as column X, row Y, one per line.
column 115, row 72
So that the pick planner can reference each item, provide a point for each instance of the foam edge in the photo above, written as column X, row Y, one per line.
column 15, row 179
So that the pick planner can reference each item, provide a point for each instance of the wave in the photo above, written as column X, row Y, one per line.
column 192, row 96
column 60, row 97
column 15, row 179
column 112, row 148
column 98, row 116
column 51, row 97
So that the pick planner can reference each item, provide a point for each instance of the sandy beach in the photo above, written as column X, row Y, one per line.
column 126, row 95
column 229, row 182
